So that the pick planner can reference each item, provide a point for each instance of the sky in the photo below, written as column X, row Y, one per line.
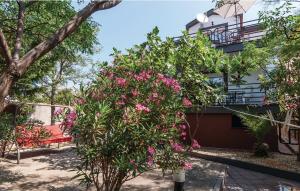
column 128, row 23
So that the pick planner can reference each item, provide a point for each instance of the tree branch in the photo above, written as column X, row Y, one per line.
column 47, row 45
column 20, row 30
column 4, row 49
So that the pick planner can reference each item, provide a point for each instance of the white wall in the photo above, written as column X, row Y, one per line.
column 42, row 113
column 216, row 19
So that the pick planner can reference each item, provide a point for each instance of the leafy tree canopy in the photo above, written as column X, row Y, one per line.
column 43, row 19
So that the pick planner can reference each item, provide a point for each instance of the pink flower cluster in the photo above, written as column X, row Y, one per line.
column 195, row 144
column 121, row 101
column 141, row 107
column 187, row 166
column 170, row 82
column 151, row 150
column 70, row 119
column 135, row 92
column 154, row 97
column 183, row 134
column 177, row 147
column 143, row 76
column 80, row 101
column 121, row 82
column 150, row 161
column 186, row 102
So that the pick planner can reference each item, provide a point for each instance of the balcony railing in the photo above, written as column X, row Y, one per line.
column 249, row 94
column 224, row 34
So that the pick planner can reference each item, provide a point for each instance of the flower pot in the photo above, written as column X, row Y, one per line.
column 179, row 175
column 179, row 179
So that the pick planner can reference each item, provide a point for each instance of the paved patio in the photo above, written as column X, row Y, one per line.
column 53, row 170
column 238, row 179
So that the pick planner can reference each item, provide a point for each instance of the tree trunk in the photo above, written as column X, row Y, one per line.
column 6, row 82
column 3, row 149
column 52, row 102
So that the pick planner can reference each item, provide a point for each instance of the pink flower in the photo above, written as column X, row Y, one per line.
column 187, row 165
column 120, row 102
column 132, row 161
column 121, row 82
column 182, row 127
column 186, row 102
column 177, row 147
column 170, row 82
column 154, row 97
column 110, row 75
column 151, row 150
column 135, row 92
column 160, row 76
column 58, row 111
column 195, row 144
column 180, row 115
column 183, row 134
column 140, row 107
column 80, row 101
column 143, row 76
column 150, row 161
column 72, row 115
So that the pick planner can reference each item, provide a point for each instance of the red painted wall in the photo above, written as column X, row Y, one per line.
column 215, row 130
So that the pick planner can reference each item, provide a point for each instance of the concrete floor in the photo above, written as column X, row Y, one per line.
column 53, row 171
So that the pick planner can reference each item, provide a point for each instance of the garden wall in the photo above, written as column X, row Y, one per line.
column 216, row 130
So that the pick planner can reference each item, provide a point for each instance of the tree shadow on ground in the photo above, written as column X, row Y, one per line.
column 8, row 176
column 49, row 185
column 64, row 188
column 142, row 188
column 57, row 161
column 43, row 151
column 204, row 175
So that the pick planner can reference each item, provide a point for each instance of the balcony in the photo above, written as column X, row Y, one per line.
column 244, row 94
column 230, row 38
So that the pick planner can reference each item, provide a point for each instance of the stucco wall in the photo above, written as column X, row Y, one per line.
column 42, row 113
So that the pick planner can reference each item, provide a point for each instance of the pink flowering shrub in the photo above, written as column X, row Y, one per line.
column 128, row 121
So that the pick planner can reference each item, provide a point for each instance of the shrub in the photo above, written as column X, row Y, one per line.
column 259, row 128
column 128, row 121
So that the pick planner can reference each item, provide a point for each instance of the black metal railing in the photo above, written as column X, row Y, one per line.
column 250, row 93
column 224, row 34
